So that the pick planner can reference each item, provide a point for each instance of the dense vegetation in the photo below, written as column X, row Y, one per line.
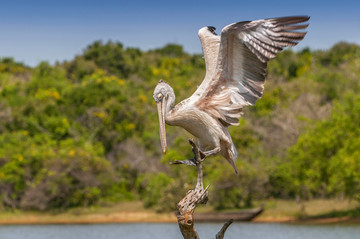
column 85, row 132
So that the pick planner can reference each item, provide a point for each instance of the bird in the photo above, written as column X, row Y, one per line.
column 236, row 62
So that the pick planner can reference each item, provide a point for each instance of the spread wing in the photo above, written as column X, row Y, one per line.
column 239, row 76
column 210, row 42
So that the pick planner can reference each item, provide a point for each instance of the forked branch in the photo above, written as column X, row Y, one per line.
column 186, row 207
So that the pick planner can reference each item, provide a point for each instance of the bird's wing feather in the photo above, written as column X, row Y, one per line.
column 239, row 76
column 210, row 42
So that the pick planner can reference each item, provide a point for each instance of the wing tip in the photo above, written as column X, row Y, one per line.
column 291, row 19
column 212, row 29
column 206, row 31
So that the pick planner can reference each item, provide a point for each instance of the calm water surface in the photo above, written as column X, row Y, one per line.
column 171, row 231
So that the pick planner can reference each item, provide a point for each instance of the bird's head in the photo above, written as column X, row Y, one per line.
column 164, row 97
column 161, row 91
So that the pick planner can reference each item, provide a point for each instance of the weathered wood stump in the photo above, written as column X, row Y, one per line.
column 198, row 195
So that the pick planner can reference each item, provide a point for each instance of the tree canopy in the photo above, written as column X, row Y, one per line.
column 85, row 131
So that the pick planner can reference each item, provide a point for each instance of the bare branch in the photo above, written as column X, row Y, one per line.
column 186, row 207
column 221, row 233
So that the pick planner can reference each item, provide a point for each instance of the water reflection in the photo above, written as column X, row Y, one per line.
column 170, row 230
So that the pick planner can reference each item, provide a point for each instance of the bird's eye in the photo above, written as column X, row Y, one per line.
column 159, row 96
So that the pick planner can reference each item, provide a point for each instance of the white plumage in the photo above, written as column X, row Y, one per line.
column 236, row 65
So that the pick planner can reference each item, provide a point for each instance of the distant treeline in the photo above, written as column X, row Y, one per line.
column 85, row 132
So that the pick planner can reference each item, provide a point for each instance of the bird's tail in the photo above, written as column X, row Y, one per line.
column 231, row 154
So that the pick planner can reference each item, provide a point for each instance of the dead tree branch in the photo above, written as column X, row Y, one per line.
column 198, row 195
column 221, row 233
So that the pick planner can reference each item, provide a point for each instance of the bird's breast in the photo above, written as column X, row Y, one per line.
column 198, row 123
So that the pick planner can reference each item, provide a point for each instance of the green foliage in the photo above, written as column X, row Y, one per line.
column 171, row 50
column 271, row 99
column 340, row 53
column 41, row 173
column 155, row 187
column 112, row 57
column 161, row 192
column 326, row 160
column 289, row 65
column 352, row 213
column 65, row 130
column 10, row 66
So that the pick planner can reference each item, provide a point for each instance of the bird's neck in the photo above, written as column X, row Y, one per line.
column 169, row 103
column 169, row 107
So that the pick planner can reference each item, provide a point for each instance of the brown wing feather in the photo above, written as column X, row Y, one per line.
column 245, row 49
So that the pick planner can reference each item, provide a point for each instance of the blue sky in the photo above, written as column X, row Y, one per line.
column 34, row 31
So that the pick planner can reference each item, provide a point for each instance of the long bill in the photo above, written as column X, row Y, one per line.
column 161, row 114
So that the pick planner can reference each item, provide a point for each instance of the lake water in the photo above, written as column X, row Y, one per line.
column 171, row 231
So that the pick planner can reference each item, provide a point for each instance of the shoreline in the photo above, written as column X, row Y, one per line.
column 120, row 218
column 124, row 217
column 276, row 211
column 330, row 220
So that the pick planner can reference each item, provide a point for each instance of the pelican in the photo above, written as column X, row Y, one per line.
column 236, row 63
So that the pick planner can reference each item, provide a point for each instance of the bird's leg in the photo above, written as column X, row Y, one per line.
column 193, row 161
column 209, row 152
column 199, row 155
